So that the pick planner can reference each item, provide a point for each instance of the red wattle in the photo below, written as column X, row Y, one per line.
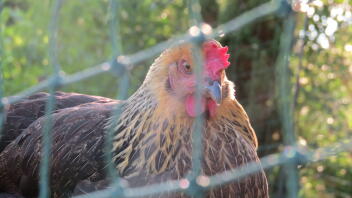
column 191, row 105
column 211, row 104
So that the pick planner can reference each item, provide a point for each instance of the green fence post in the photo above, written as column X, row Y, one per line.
column 54, row 81
column 2, row 102
column 285, row 99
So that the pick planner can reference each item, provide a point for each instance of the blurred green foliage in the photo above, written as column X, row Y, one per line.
column 321, row 73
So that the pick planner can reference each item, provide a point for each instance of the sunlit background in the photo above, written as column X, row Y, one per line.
column 321, row 65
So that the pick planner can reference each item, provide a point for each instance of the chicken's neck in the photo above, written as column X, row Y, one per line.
column 152, row 137
column 147, row 135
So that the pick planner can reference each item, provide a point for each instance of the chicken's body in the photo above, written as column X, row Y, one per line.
column 152, row 142
column 23, row 113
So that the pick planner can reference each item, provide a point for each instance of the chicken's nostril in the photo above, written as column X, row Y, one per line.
column 208, row 81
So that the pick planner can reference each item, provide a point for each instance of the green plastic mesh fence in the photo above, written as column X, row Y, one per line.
column 198, row 33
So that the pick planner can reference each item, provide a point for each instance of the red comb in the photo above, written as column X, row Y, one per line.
column 216, row 58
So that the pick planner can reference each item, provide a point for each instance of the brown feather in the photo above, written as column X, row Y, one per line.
column 152, row 141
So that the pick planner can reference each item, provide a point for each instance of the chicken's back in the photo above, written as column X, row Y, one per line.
column 23, row 113
column 22, row 126
column 77, row 151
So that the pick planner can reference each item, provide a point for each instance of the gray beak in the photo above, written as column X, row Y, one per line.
column 214, row 91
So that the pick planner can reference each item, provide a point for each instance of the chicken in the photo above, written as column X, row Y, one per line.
column 152, row 139
column 20, row 115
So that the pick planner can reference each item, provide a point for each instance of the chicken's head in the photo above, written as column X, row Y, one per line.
column 176, row 67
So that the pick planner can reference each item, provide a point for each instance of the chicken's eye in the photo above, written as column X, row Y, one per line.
column 185, row 67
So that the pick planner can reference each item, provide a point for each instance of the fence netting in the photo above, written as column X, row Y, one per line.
column 121, row 64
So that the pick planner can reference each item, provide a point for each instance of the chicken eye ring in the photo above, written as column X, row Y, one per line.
column 185, row 67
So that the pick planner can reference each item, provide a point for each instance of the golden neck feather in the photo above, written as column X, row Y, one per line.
column 152, row 133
